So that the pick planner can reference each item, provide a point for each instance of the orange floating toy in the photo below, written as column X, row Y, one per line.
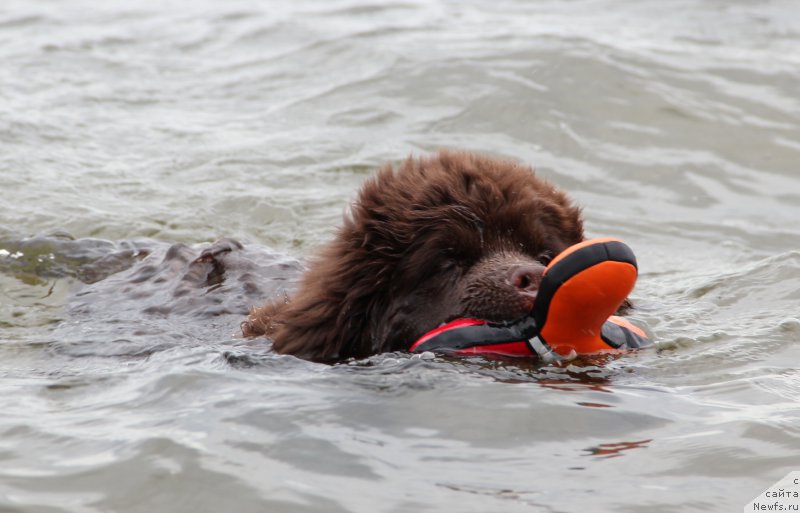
column 573, row 313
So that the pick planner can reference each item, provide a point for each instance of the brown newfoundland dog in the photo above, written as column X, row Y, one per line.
column 447, row 236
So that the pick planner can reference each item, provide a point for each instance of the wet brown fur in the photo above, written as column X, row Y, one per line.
column 424, row 243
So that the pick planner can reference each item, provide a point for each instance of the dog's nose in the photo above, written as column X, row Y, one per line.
column 527, row 277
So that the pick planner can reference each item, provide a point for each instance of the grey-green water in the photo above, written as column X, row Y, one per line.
column 132, row 126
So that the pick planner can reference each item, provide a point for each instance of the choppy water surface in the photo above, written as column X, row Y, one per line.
column 132, row 134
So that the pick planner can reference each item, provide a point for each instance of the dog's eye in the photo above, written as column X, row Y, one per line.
column 446, row 265
column 545, row 258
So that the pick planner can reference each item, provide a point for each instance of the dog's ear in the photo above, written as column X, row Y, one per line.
column 265, row 319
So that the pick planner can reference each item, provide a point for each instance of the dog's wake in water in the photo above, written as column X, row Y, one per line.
column 139, row 296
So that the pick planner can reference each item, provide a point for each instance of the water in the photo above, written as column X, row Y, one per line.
column 127, row 128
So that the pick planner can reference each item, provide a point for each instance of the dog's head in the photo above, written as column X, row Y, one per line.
column 453, row 235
